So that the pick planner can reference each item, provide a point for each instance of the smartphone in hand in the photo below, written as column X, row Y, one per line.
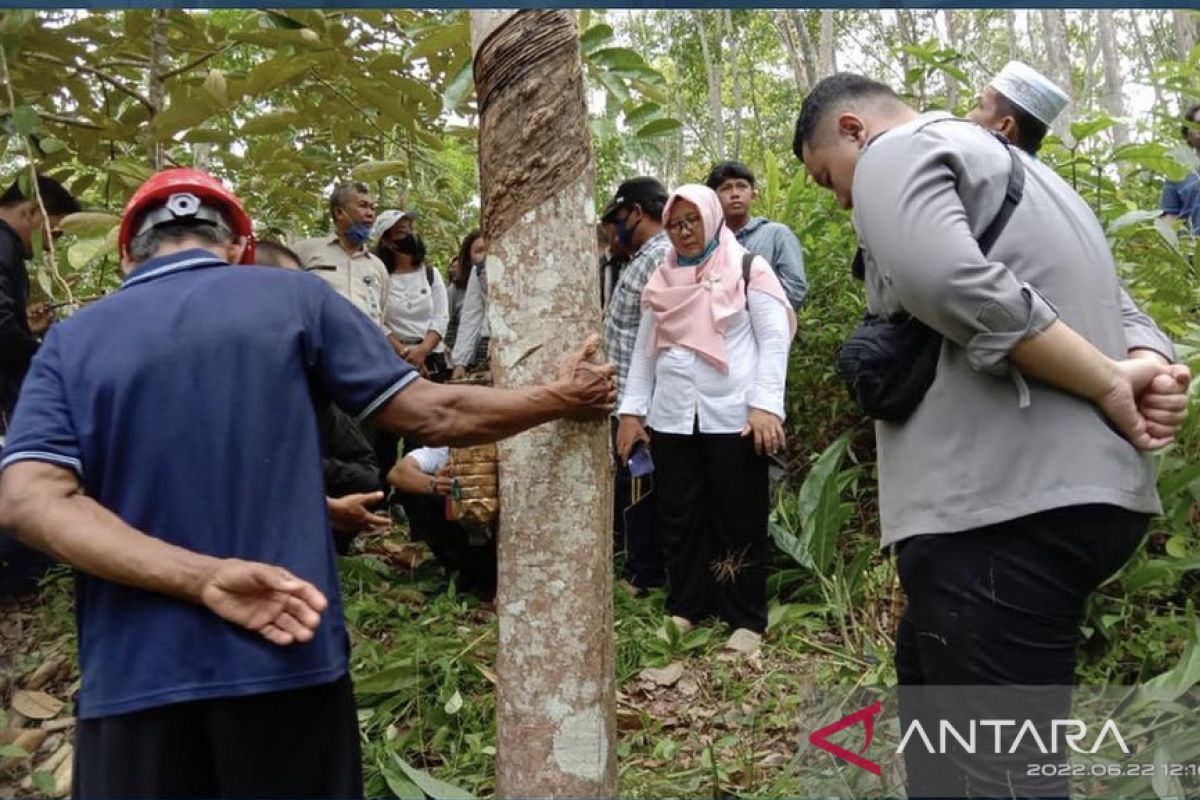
column 640, row 464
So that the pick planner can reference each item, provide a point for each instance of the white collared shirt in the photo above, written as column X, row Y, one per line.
column 674, row 388
column 415, row 306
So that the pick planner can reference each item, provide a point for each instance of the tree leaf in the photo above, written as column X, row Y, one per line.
column 455, row 703
column 595, row 37
column 24, row 120
column 50, row 145
column 374, row 170
column 215, row 85
column 443, row 37
column 276, row 122
column 85, row 251
column 431, row 786
column 401, row 786
column 659, row 127
column 389, row 680
column 182, row 114
column 819, row 505
column 12, row 751
column 618, row 58
column 1090, row 127
column 274, row 73
column 85, row 224
column 642, row 114
column 36, row 705
column 460, row 87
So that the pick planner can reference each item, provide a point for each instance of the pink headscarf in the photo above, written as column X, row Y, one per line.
column 692, row 304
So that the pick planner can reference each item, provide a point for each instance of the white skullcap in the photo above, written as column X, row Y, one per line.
column 1031, row 90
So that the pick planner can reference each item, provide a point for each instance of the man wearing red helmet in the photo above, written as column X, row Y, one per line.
column 166, row 445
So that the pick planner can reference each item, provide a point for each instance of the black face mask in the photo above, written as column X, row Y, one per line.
column 624, row 232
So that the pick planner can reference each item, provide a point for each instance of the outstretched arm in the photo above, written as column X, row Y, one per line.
column 451, row 414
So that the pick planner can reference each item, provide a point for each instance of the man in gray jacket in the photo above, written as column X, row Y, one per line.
column 1021, row 481
column 734, row 184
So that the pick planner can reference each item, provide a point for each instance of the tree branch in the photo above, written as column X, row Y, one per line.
column 103, row 76
column 73, row 122
column 195, row 63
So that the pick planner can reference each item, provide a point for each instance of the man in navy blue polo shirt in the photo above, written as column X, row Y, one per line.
column 166, row 445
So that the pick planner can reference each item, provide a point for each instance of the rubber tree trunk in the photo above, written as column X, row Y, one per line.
column 555, row 694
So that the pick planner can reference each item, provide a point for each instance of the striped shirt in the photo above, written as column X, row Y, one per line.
column 624, row 311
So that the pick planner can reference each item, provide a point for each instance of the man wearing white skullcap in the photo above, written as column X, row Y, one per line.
column 1020, row 103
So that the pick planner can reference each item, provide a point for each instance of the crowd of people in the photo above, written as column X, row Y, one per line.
column 200, row 443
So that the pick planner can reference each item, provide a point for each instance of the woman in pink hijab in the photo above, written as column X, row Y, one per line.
column 707, row 381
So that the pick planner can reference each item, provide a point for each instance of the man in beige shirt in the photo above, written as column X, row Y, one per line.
column 342, row 257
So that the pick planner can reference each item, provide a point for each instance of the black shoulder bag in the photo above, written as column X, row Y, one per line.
column 889, row 364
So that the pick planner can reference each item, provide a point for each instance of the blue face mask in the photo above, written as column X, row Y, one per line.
column 357, row 233
column 685, row 261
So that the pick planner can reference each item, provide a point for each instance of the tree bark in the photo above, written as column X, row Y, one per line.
column 735, row 81
column 714, row 89
column 1054, row 31
column 556, row 733
column 155, row 83
column 907, row 27
column 827, row 64
column 954, row 34
column 1185, row 32
column 1114, row 98
column 1010, row 22
column 801, row 72
column 1144, row 53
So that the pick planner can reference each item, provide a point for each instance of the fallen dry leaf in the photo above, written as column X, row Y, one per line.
column 37, row 705
column 60, row 755
column 663, row 676
column 62, row 778
column 42, row 675
column 629, row 719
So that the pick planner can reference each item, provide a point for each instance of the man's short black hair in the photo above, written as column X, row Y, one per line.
column 728, row 170
column 341, row 194
column 55, row 197
column 844, row 86
column 1189, row 116
column 268, row 253
column 1030, row 130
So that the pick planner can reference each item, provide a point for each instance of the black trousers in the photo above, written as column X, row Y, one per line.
column 452, row 544
column 302, row 743
column 1000, row 606
column 713, row 500
column 636, row 531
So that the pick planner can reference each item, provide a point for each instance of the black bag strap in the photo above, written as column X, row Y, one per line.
column 747, row 261
column 1012, row 198
column 429, row 274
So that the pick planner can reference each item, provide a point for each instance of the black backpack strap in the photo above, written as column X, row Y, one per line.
column 429, row 274
column 747, row 261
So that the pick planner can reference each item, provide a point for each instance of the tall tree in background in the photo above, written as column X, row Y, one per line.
column 555, row 696
column 1114, row 100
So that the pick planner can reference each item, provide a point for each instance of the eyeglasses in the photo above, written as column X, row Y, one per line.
column 687, row 223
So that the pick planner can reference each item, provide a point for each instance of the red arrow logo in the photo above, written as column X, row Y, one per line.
column 866, row 716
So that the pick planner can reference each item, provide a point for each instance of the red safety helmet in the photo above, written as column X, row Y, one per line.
column 183, row 193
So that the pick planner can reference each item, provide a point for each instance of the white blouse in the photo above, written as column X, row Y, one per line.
column 415, row 306
column 675, row 387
